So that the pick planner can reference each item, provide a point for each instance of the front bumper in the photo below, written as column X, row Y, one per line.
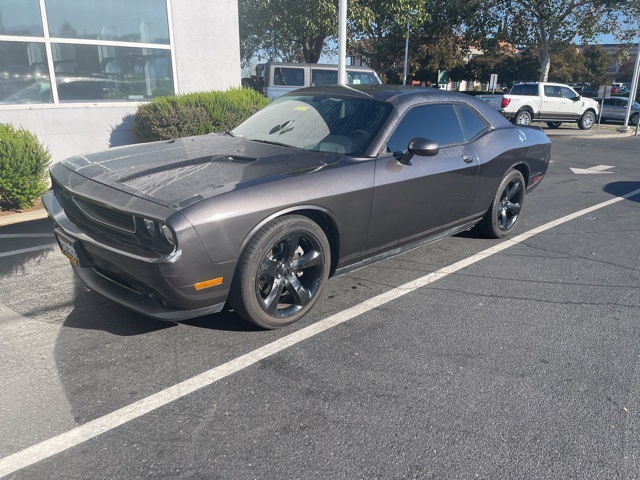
column 158, row 286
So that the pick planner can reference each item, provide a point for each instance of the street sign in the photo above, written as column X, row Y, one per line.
column 604, row 91
column 493, row 82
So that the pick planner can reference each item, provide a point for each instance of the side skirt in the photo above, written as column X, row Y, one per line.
column 411, row 246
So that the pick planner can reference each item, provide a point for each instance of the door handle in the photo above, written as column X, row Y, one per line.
column 467, row 158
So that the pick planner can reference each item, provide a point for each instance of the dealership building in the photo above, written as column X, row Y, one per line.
column 74, row 72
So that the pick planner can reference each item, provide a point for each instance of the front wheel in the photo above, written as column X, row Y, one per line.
column 554, row 124
column 587, row 121
column 634, row 118
column 523, row 117
column 505, row 208
column 281, row 273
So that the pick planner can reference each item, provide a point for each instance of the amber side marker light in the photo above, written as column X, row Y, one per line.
column 208, row 283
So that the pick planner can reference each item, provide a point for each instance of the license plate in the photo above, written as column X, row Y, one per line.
column 68, row 249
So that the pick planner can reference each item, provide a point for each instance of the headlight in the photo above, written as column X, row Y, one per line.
column 167, row 233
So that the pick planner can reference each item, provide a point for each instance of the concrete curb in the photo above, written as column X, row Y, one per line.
column 22, row 217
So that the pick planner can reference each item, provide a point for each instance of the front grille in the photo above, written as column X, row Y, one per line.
column 106, row 216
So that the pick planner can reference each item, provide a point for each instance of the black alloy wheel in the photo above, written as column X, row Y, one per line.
column 505, row 208
column 282, row 272
column 554, row 124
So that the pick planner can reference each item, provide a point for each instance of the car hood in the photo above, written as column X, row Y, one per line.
column 180, row 172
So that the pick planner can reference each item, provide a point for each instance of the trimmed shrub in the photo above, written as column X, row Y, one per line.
column 199, row 113
column 23, row 168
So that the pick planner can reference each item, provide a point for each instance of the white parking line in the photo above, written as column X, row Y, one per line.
column 92, row 429
column 25, row 250
column 26, row 235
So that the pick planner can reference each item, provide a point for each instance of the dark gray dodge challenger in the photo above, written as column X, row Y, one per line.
column 320, row 182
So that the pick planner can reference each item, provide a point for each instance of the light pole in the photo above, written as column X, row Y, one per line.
column 632, row 94
column 406, row 55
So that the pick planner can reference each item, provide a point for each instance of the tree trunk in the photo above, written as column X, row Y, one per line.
column 545, row 65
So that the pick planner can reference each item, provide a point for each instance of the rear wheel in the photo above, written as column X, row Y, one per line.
column 587, row 120
column 281, row 273
column 505, row 208
column 554, row 124
column 523, row 117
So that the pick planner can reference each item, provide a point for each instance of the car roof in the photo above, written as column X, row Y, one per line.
column 403, row 97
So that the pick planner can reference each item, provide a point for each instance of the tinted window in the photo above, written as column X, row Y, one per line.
column 610, row 102
column 472, row 124
column 434, row 122
column 143, row 21
column 288, row 76
column 525, row 90
column 324, row 77
column 20, row 17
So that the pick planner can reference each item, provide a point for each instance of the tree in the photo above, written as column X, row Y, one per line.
column 378, row 29
column 596, row 62
column 567, row 65
column 289, row 30
column 544, row 24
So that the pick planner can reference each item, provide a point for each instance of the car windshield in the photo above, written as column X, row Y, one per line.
column 318, row 123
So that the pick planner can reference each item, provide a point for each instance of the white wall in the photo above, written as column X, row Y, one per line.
column 207, row 57
column 207, row 44
column 70, row 130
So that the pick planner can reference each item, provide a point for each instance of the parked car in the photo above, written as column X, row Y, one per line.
column 553, row 103
column 320, row 182
column 614, row 109
column 277, row 78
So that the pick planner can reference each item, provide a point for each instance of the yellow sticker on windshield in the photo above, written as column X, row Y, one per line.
column 302, row 109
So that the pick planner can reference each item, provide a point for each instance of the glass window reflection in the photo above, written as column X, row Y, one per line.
column 24, row 75
column 140, row 21
column 20, row 17
column 93, row 72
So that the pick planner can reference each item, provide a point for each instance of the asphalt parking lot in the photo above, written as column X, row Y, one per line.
column 464, row 358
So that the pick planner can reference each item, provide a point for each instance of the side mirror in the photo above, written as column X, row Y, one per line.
column 576, row 99
column 421, row 147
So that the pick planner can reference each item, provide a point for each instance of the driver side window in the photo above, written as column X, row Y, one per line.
column 433, row 122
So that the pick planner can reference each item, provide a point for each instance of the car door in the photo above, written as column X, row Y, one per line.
column 571, row 107
column 551, row 105
column 427, row 194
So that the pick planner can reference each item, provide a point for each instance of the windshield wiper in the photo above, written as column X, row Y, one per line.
column 230, row 133
column 273, row 143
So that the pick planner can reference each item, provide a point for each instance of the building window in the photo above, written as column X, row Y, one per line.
column 141, row 21
column 90, row 51
column 24, row 73
column 20, row 17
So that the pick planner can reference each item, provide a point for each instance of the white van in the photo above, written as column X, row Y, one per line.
column 277, row 78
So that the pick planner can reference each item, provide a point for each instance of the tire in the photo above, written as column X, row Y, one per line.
column 523, row 117
column 281, row 273
column 587, row 121
column 505, row 208
column 554, row 124
column 634, row 119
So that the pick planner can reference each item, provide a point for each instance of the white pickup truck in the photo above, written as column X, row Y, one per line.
column 553, row 103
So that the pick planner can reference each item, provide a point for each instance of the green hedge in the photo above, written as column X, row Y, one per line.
column 23, row 168
column 165, row 118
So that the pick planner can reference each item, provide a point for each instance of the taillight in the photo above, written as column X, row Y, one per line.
column 505, row 102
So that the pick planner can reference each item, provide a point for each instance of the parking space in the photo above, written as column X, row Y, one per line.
column 518, row 363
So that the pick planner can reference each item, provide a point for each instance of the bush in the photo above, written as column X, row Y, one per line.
column 23, row 168
column 165, row 118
